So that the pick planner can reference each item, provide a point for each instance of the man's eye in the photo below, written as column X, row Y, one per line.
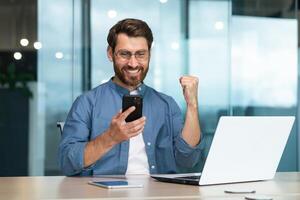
column 125, row 54
column 141, row 54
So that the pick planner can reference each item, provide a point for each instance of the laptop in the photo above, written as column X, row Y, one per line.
column 243, row 149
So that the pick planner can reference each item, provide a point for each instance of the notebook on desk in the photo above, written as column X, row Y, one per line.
column 243, row 149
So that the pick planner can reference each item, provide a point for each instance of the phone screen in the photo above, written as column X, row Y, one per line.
column 112, row 183
column 115, row 184
column 133, row 100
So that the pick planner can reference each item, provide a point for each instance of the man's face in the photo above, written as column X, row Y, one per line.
column 130, row 59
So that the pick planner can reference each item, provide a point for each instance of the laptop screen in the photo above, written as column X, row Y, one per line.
column 246, row 149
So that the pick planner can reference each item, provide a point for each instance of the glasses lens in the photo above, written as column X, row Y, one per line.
column 124, row 54
column 139, row 55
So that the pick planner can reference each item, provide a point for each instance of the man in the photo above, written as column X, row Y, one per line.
column 97, row 140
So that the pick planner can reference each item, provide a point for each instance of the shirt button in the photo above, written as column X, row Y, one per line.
column 149, row 143
column 152, row 167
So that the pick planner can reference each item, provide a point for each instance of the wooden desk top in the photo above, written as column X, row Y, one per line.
column 284, row 186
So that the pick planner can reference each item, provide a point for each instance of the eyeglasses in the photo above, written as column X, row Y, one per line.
column 139, row 55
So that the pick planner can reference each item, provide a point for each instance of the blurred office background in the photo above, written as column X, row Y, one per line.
column 245, row 53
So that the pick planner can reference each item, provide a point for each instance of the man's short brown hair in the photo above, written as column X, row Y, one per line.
column 132, row 28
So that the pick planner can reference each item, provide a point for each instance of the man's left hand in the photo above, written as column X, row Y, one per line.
column 189, row 85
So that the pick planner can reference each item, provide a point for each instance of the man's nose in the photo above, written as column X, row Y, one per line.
column 133, row 61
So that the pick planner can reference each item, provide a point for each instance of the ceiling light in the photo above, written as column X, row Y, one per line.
column 112, row 13
column 37, row 45
column 175, row 45
column 59, row 55
column 17, row 55
column 219, row 25
column 24, row 42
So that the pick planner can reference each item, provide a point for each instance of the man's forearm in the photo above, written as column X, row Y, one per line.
column 96, row 148
column 191, row 131
column 118, row 132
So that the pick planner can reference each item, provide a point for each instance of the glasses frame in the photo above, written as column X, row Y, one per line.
column 139, row 55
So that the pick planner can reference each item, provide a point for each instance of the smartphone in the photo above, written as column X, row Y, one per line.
column 133, row 100
column 114, row 184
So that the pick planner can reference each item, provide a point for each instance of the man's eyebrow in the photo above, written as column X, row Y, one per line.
column 140, row 50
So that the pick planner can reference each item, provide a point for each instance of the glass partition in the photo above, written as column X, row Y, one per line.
column 264, row 65
column 209, row 59
column 59, row 68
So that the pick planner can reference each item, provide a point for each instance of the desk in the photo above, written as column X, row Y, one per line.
column 283, row 186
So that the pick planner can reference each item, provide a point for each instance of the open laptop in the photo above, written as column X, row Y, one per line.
column 243, row 149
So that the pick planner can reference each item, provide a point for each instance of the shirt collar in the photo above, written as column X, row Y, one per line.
column 123, row 91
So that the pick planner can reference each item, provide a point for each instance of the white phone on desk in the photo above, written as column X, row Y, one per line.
column 115, row 184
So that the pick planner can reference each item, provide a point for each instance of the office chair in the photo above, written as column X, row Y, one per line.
column 60, row 125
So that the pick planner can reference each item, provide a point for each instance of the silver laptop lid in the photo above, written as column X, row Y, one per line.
column 246, row 149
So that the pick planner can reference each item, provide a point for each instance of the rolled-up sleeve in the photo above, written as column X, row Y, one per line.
column 75, row 136
column 185, row 155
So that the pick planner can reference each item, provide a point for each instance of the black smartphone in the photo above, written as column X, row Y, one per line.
column 133, row 100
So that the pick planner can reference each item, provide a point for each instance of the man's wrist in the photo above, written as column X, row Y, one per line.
column 108, row 138
column 192, row 106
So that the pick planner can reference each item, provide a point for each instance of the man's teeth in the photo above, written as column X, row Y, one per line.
column 132, row 71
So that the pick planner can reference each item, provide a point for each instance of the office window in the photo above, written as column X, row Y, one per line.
column 59, row 69
column 264, row 72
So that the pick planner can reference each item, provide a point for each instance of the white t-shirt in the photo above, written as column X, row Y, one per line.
column 137, row 157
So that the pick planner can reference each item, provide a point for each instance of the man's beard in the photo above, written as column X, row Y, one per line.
column 132, row 81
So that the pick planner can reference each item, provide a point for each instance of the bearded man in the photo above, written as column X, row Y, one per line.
column 96, row 140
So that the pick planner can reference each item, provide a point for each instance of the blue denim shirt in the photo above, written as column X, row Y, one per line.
column 90, row 116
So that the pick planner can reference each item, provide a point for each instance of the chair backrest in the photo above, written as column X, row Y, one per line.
column 60, row 125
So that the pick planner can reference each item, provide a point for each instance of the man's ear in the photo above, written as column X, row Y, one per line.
column 109, row 53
